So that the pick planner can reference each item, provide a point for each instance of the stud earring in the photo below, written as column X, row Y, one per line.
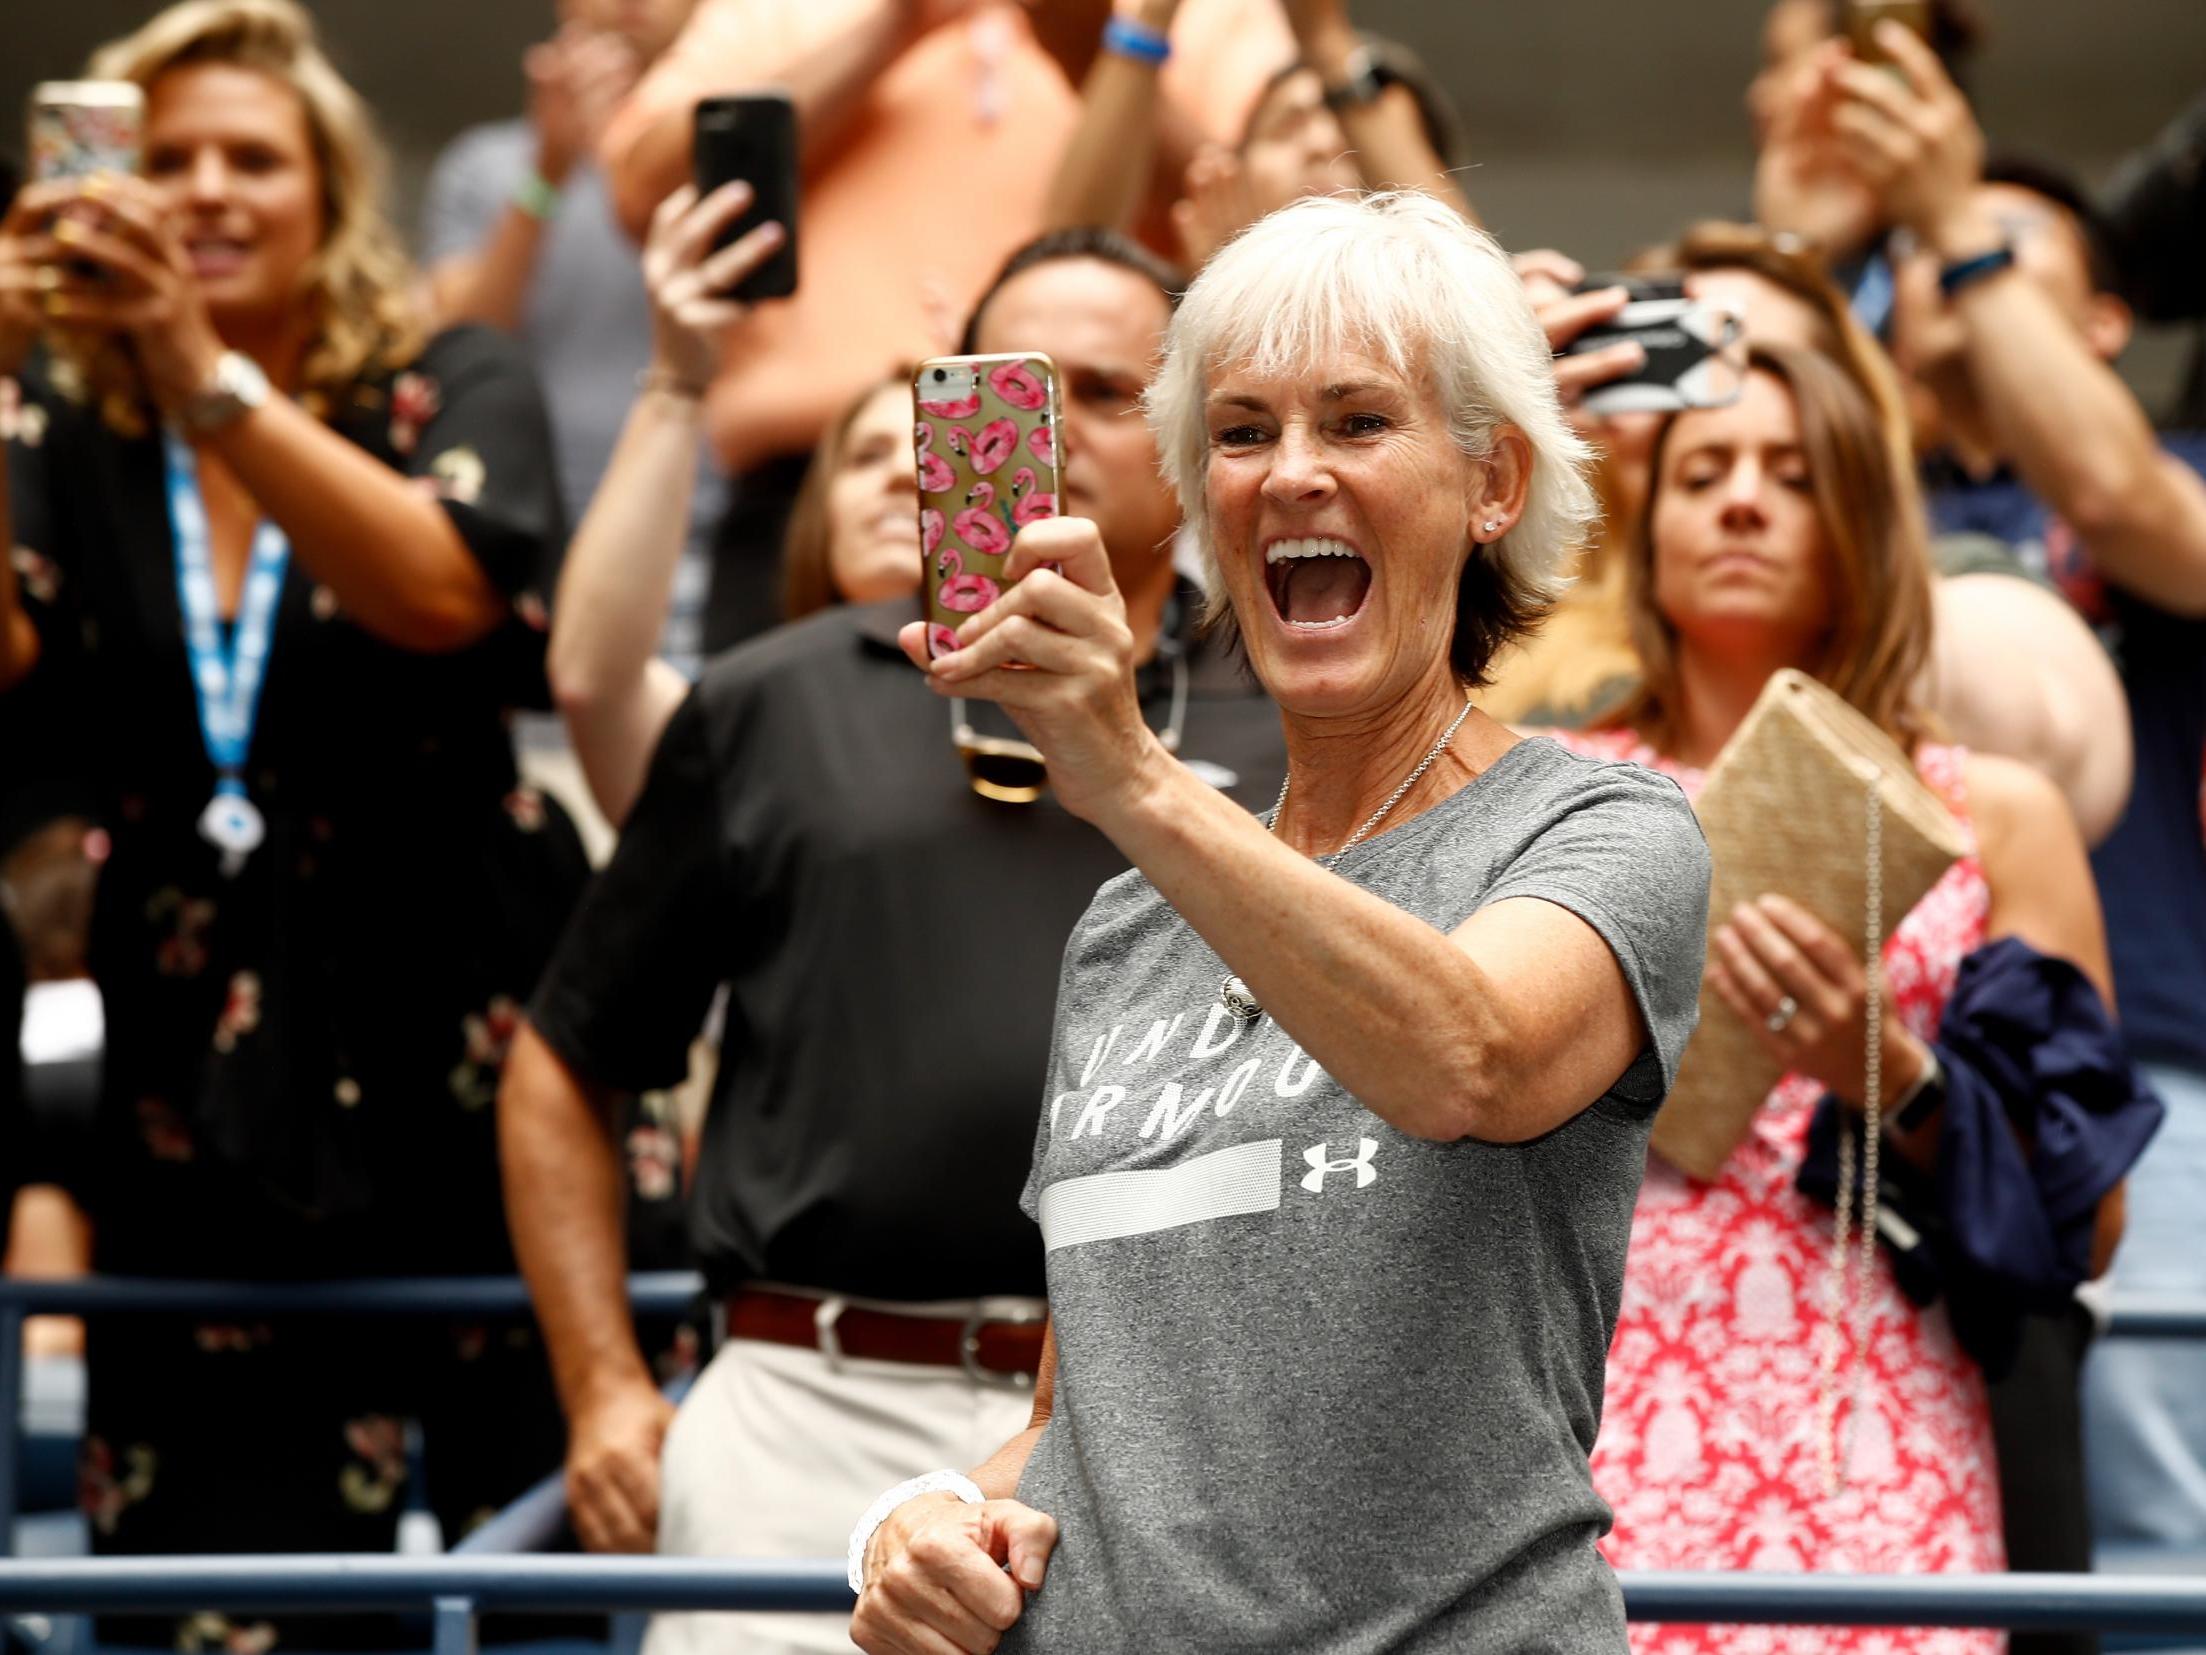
column 1491, row 524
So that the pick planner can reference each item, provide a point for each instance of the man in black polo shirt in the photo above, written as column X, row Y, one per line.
column 888, row 940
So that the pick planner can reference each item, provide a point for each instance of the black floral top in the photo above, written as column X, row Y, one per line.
column 301, row 1059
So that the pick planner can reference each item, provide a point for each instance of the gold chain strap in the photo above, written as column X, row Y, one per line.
column 1846, row 1335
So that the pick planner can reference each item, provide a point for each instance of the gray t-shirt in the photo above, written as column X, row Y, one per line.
column 1323, row 1386
column 587, row 328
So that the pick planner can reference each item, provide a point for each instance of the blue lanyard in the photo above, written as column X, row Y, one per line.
column 228, row 681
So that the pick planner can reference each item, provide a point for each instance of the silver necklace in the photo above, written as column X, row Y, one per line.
column 1234, row 994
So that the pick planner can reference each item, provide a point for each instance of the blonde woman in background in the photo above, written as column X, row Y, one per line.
column 327, row 893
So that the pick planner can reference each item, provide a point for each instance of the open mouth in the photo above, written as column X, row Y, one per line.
column 212, row 255
column 1316, row 582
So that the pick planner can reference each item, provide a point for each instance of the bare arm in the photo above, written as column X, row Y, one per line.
column 615, row 694
column 386, row 548
column 575, row 81
column 612, row 690
column 565, row 1197
column 2015, row 671
column 942, row 1574
column 1501, row 1030
column 647, row 149
column 1392, row 151
column 2057, row 410
column 1108, row 165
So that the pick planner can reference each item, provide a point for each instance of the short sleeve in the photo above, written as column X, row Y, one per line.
column 1626, row 855
column 468, row 188
column 468, row 421
column 629, row 986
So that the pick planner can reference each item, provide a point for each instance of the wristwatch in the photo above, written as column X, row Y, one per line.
column 1364, row 77
column 233, row 390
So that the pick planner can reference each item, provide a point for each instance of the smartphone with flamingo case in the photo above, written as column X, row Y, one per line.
column 986, row 432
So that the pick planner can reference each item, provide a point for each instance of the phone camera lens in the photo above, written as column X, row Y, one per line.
column 941, row 374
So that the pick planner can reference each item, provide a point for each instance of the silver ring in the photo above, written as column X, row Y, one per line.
column 1787, row 1009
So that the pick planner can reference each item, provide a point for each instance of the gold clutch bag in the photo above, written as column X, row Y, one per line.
column 1786, row 808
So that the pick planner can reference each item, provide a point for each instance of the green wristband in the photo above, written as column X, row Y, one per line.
column 535, row 197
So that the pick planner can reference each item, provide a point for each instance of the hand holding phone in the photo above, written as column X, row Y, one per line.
column 753, row 138
column 1693, row 355
column 986, row 434
column 1863, row 16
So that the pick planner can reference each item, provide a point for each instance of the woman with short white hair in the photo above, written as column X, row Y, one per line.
column 1346, row 1110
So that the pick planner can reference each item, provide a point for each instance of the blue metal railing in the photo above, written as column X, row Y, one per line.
column 476, row 1579
column 458, row 1589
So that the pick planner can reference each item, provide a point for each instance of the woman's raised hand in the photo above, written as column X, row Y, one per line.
column 113, row 263
column 688, row 282
column 1056, row 653
column 1775, row 963
column 941, row 1574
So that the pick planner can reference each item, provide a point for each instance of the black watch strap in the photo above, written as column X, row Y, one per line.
column 1364, row 79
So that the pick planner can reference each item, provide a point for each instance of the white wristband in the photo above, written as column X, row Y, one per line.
column 934, row 1482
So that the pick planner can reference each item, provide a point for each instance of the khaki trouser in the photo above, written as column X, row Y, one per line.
column 776, row 1452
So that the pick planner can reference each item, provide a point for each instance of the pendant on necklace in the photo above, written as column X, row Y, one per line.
column 1234, row 995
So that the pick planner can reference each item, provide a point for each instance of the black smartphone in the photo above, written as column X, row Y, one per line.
column 1695, row 353
column 754, row 138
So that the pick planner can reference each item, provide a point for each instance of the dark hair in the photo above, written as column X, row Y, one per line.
column 2042, row 178
column 807, row 544
column 1086, row 241
column 1435, row 109
column 1956, row 33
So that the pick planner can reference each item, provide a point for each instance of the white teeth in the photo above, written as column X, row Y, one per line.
column 1319, row 626
column 1317, row 546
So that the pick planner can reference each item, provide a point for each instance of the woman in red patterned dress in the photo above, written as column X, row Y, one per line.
column 1778, row 534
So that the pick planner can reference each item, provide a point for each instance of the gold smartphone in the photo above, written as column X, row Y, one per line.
column 985, row 430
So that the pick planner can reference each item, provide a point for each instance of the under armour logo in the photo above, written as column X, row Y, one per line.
column 1360, row 1165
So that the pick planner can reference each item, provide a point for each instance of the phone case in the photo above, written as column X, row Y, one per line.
column 78, row 128
column 986, row 436
column 752, row 137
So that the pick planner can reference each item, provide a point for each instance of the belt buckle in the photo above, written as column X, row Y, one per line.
column 968, row 1349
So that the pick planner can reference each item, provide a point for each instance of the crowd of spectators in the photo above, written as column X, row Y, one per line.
column 300, row 526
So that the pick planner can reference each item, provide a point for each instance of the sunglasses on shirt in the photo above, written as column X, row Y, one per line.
column 1013, row 772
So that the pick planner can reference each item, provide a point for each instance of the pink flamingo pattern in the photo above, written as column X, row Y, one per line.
column 1016, row 384
column 990, row 448
column 935, row 475
column 979, row 525
column 966, row 446
column 966, row 594
column 1026, row 505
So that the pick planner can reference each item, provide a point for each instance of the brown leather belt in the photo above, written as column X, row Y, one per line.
column 1002, row 1349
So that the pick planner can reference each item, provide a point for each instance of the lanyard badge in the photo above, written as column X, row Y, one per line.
column 227, row 681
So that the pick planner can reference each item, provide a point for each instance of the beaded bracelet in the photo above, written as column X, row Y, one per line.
column 1135, row 40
